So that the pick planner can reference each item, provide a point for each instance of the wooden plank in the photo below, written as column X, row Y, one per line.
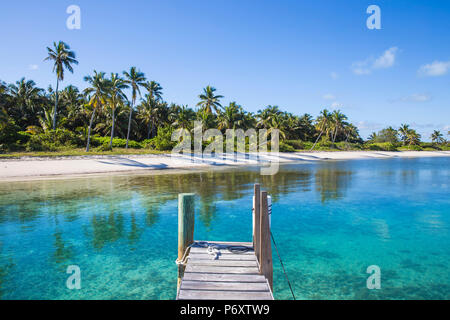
column 222, row 251
column 222, row 277
column 223, row 295
column 266, row 265
column 223, row 263
column 237, row 257
column 218, row 269
column 224, row 286
column 228, row 243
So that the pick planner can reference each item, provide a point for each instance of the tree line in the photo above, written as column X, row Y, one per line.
column 29, row 115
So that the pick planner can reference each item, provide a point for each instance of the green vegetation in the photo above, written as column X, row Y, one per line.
column 103, row 120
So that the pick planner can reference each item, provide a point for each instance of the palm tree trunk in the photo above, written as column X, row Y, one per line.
column 149, row 129
column 129, row 126
column 112, row 129
column 56, row 103
column 321, row 132
column 89, row 131
column 335, row 134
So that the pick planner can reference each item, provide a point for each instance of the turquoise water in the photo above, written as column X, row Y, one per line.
column 331, row 220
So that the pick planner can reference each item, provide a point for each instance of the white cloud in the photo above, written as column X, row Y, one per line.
column 386, row 60
column 33, row 66
column 435, row 69
column 328, row 96
column 361, row 68
column 415, row 97
column 336, row 105
column 334, row 75
column 367, row 125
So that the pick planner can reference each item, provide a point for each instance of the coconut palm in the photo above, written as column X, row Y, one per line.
column 154, row 90
column 97, row 93
column 265, row 116
column 403, row 131
column 413, row 138
column 115, row 97
column 183, row 117
column 62, row 59
column 25, row 97
column 135, row 79
column 277, row 123
column 209, row 101
column 323, row 124
column 437, row 137
column 338, row 122
column 231, row 117
column 147, row 113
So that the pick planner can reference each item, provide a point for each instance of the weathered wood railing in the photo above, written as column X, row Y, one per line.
column 261, row 234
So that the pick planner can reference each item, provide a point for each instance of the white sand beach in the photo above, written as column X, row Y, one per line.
column 28, row 168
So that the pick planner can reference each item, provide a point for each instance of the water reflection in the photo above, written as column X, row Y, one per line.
column 106, row 229
column 113, row 204
column 107, row 194
column 332, row 183
column 63, row 251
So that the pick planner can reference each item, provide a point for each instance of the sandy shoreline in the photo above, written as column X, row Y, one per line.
column 42, row 168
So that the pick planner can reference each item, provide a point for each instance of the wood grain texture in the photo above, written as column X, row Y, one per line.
column 232, row 276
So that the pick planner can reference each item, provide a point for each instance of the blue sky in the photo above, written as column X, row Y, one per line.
column 300, row 55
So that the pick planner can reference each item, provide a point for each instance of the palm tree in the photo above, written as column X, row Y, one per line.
column 403, row 131
column 25, row 96
column 183, row 118
column 63, row 59
column 135, row 79
column 412, row 137
column 277, row 123
column 147, row 113
column 351, row 132
column 231, row 117
column 209, row 101
column 323, row 123
column 115, row 97
column 154, row 90
column 97, row 96
column 338, row 122
column 437, row 137
column 265, row 116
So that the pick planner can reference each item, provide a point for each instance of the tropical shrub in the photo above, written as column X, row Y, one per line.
column 116, row 143
column 10, row 137
column 412, row 147
column 163, row 140
column 51, row 140
column 284, row 147
column 296, row 144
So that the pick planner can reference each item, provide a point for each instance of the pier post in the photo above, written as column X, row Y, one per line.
column 266, row 264
column 186, row 218
column 256, row 220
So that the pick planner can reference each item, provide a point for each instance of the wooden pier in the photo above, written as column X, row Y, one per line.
column 217, row 270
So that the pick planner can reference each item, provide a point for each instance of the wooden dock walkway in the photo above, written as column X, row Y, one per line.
column 231, row 276
column 217, row 270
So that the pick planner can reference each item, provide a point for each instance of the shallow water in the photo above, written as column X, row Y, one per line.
column 331, row 220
